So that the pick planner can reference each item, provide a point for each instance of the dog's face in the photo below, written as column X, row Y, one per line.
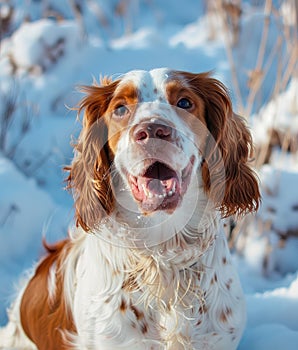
column 147, row 137
column 152, row 138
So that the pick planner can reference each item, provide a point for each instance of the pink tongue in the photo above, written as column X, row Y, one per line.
column 155, row 186
column 157, row 183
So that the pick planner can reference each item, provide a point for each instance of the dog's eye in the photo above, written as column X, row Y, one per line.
column 184, row 103
column 121, row 111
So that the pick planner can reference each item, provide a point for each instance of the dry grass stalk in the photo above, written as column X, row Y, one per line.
column 286, row 69
column 219, row 8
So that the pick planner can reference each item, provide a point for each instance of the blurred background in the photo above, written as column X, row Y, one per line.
column 49, row 47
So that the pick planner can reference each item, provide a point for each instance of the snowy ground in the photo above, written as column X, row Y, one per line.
column 42, row 62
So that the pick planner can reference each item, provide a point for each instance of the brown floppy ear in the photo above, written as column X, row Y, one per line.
column 236, row 185
column 89, row 173
column 227, row 176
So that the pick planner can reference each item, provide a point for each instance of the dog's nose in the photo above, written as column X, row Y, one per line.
column 144, row 131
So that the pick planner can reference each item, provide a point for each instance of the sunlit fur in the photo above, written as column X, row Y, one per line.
column 130, row 279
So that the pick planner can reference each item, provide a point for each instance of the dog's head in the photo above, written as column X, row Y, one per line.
column 152, row 138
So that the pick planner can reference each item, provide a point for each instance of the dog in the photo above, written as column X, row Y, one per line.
column 160, row 161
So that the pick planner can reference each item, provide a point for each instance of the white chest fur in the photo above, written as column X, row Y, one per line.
column 135, row 300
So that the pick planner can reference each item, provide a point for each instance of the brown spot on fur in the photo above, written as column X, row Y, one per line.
column 228, row 283
column 130, row 284
column 144, row 328
column 215, row 278
column 139, row 314
column 224, row 315
column 108, row 300
column 203, row 309
column 123, row 305
column 43, row 319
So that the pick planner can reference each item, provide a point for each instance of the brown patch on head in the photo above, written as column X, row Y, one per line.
column 178, row 89
column 125, row 95
column 96, row 101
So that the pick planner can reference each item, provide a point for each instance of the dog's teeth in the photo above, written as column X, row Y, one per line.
column 174, row 187
column 145, row 190
column 164, row 194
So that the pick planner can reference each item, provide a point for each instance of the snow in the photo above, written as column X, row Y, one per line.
column 25, row 211
column 141, row 39
column 280, row 113
column 194, row 34
column 42, row 62
column 272, row 320
column 41, row 43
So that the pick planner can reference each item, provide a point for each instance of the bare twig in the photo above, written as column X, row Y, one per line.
column 229, row 51
column 9, row 102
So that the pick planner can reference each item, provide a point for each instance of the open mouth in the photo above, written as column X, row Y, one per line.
column 159, row 187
